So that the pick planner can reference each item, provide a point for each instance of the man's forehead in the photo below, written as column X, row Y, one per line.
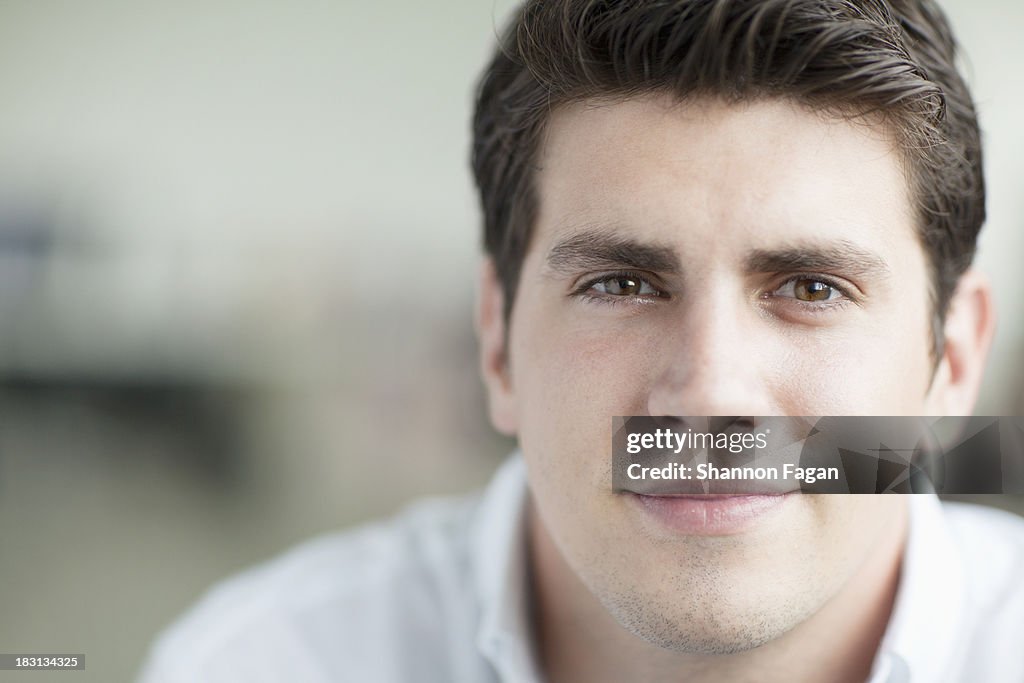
column 772, row 140
column 765, row 176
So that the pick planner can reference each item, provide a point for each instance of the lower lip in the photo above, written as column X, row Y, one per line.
column 709, row 515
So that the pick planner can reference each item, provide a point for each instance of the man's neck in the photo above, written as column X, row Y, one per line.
column 578, row 640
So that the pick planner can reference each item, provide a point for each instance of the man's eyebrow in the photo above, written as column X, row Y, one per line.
column 595, row 249
column 841, row 257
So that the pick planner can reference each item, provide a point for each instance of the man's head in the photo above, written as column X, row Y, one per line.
column 722, row 208
column 892, row 59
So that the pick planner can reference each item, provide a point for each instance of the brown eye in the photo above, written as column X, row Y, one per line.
column 809, row 290
column 624, row 285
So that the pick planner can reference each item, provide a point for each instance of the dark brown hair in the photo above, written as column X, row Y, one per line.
column 890, row 59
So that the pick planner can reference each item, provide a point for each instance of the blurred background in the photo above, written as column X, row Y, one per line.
column 238, row 243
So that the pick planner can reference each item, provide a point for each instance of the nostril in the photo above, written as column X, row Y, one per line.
column 668, row 421
column 734, row 422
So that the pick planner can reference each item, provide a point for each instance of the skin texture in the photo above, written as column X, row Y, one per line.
column 717, row 210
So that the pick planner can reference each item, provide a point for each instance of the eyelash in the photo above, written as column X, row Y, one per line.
column 815, row 307
column 585, row 291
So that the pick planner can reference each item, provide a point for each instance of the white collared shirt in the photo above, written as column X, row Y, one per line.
column 439, row 595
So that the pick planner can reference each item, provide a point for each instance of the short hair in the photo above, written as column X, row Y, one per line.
column 892, row 59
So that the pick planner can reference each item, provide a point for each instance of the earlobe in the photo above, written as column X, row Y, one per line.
column 494, row 362
column 968, row 332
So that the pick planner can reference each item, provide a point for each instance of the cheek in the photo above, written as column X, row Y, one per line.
column 577, row 380
column 871, row 370
column 586, row 365
column 571, row 375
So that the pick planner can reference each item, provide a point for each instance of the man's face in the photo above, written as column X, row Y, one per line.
column 709, row 259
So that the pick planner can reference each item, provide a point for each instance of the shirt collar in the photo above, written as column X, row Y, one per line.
column 499, row 559
column 920, row 638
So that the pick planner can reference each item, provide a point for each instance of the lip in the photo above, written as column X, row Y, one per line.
column 709, row 514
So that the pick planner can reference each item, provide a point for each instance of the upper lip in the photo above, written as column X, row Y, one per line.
column 706, row 496
column 717, row 488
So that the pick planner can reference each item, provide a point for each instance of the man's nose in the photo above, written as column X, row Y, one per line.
column 715, row 363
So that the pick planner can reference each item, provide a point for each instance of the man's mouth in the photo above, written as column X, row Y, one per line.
column 709, row 514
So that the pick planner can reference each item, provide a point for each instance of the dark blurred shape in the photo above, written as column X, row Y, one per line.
column 26, row 240
column 197, row 427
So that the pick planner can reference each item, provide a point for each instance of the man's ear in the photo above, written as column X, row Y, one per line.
column 968, row 330
column 494, row 361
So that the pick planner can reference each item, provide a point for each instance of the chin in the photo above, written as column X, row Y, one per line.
column 699, row 631
column 705, row 608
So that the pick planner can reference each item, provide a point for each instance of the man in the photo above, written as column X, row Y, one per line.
column 692, row 207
